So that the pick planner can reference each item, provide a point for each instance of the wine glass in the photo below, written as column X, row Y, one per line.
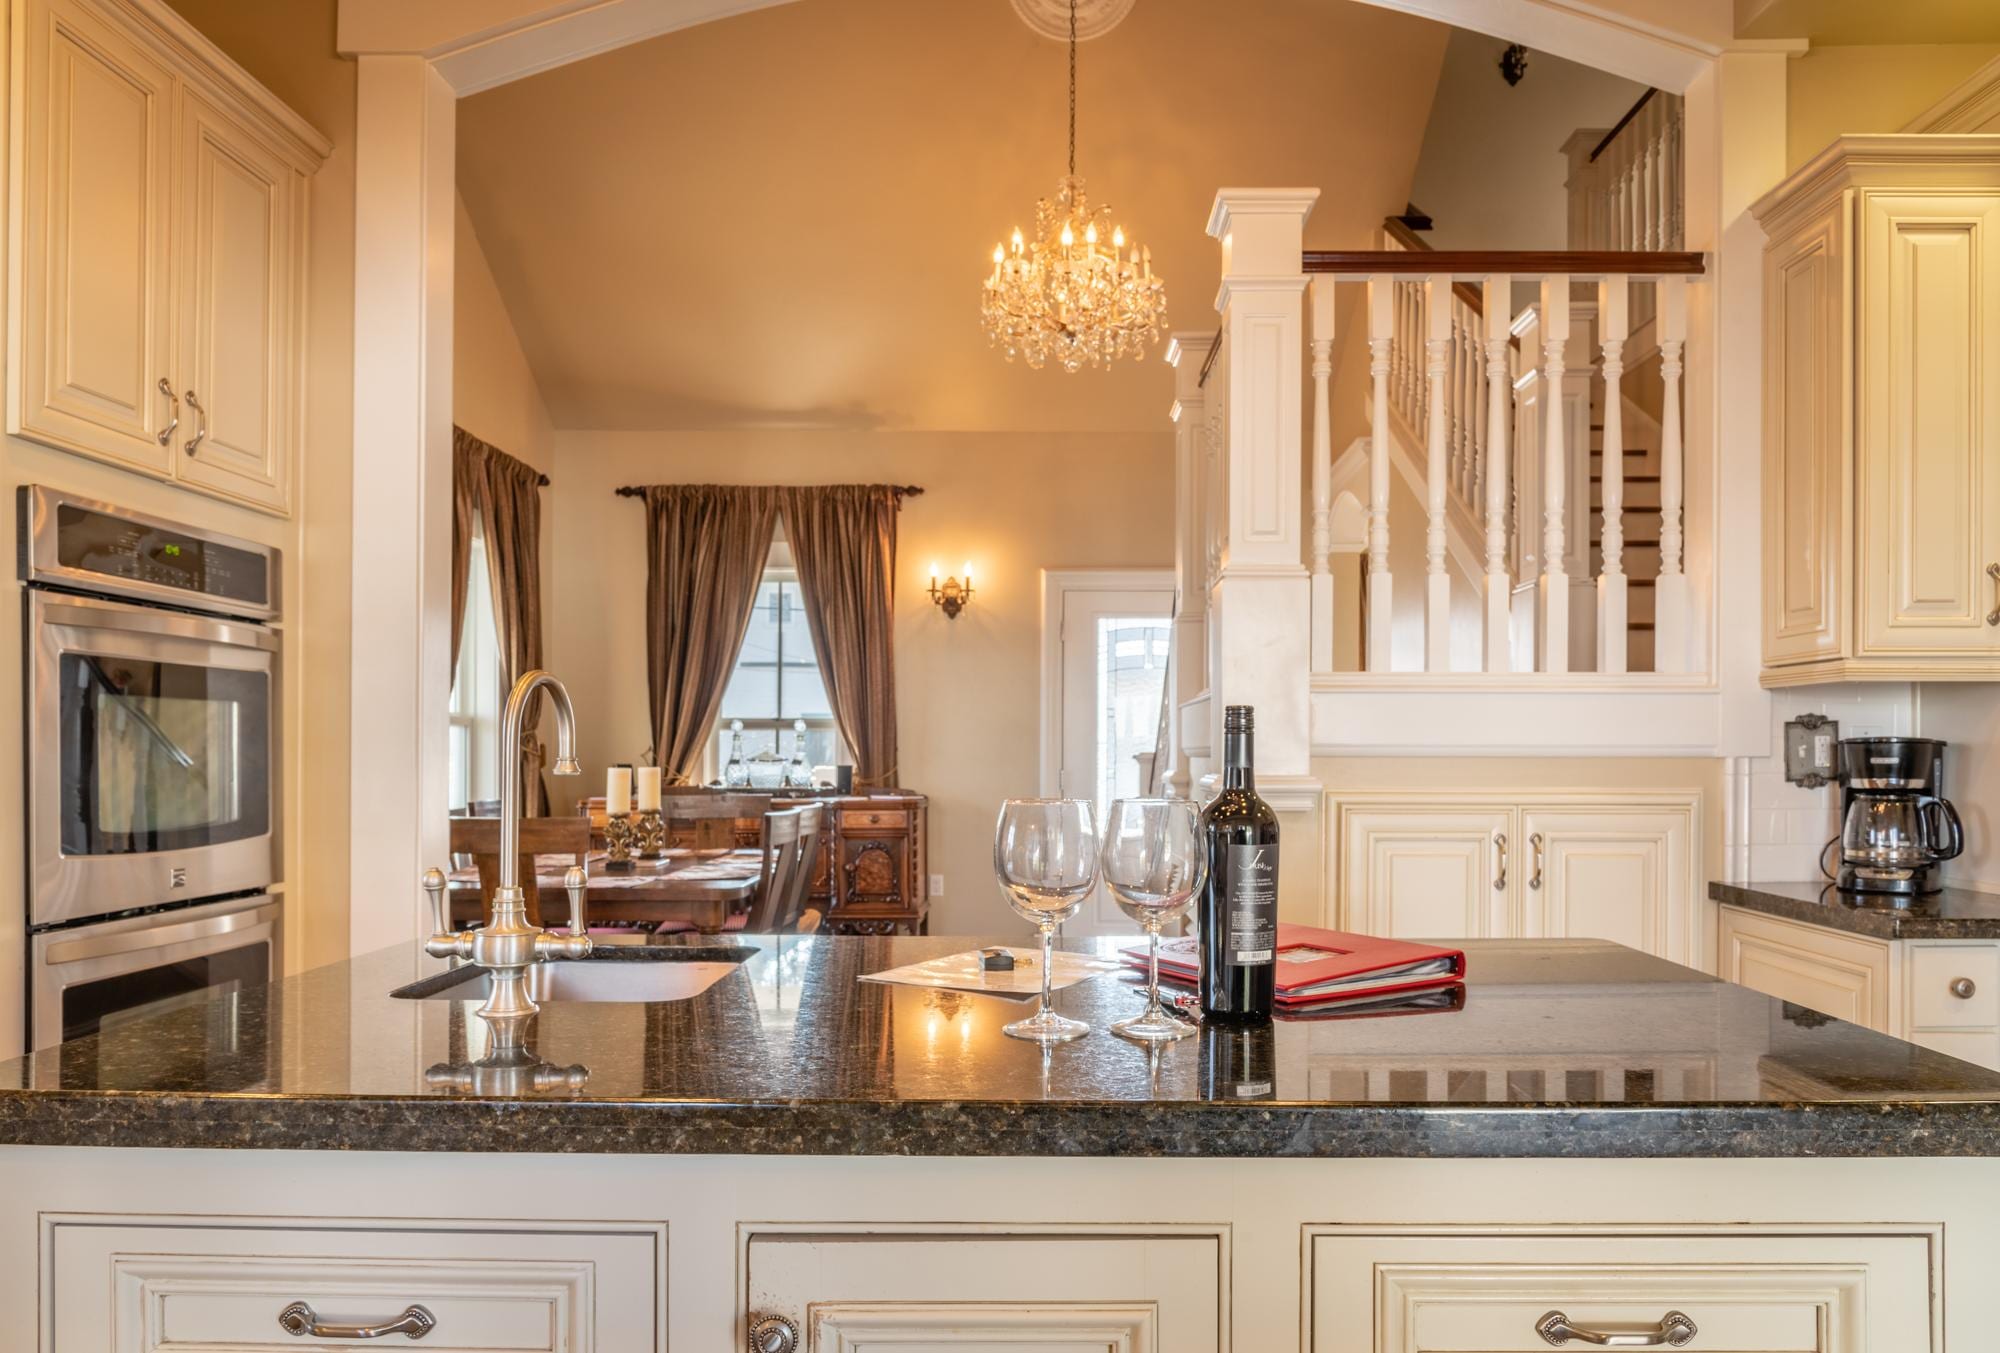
column 1154, row 864
column 1045, row 857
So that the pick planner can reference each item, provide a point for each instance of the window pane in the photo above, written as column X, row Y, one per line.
column 752, row 693
column 760, row 644
column 1131, row 680
column 805, row 692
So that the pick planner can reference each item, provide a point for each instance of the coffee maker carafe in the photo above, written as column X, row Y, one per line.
column 1896, row 825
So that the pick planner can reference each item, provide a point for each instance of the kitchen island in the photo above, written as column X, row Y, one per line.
column 1591, row 1133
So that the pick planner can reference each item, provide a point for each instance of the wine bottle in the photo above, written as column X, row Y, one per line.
column 1239, row 1061
column 1239, row 903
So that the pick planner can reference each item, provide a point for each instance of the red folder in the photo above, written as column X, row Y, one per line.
column 1317, row 965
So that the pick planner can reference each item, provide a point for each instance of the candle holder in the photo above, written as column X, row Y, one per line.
column 649, row 834
column 618, row 837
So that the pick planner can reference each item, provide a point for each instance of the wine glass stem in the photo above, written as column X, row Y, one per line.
column 1048, row 964
column 1152, row 968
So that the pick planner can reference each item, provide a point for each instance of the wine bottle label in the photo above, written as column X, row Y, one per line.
column 1251, row 898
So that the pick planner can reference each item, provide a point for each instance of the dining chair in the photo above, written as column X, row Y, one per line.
column 810, row 816
column 774, row 883
column 703, row 820
column 479, row 837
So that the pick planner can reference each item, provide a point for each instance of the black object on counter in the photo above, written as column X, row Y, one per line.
column 843, row 779
column 1239, row 904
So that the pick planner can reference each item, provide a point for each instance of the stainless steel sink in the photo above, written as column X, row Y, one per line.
column 631, row 981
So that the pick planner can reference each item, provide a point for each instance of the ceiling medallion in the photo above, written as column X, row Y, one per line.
column 1078, row 293
column 1094, row 18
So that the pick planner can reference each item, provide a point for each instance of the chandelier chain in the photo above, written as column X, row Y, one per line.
column 1072, row 88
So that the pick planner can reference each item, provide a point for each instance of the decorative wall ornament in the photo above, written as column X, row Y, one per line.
column 1078, row 293
column 1514, row 63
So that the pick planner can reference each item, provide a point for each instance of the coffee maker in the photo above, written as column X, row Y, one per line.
column 1896, row 826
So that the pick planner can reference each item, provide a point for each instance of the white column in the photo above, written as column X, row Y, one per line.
column 1261, row 616
column 1321, row 296
column 1437, row 582
column 1185, row 353
column 1552, row 605
column 401, row 621
column 1613, row 327
column 1383, row 294
column 1498, row 300
column 1670, row 599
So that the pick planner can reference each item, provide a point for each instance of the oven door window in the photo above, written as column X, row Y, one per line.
column 158, row 756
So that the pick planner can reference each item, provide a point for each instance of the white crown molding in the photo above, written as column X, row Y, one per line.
column 1232, row 202
column 1094, row 18
column 1974, row 106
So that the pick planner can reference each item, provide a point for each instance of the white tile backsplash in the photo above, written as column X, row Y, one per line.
column 1790, row 825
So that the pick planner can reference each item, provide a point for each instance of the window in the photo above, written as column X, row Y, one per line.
column 776, row 679
column 472, row 768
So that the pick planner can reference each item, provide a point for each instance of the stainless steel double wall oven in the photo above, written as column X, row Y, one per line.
column 152, row 710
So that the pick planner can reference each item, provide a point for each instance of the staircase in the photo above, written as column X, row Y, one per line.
column 1641, row 556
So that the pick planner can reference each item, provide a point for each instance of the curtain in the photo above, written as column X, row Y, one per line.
column 706, row 546
column 843, row 539
column 504, row 496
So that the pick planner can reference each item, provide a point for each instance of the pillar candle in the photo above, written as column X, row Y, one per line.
column 648, row 781
column 618, row 790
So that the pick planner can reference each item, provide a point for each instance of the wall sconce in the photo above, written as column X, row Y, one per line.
column 953, row 595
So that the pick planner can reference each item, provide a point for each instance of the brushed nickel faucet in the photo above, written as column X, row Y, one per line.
column 507, row 946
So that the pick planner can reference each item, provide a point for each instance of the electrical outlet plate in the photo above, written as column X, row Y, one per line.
column 1811, row 744
column 937, row 885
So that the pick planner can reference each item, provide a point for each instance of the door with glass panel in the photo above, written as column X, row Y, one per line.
column 1111, row 676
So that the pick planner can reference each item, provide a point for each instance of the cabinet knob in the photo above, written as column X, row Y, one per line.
column 1963, row 988
column 773, row 1334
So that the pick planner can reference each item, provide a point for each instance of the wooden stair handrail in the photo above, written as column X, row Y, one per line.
column 1396, row 228
column 1471, row 263
column 1622, row 124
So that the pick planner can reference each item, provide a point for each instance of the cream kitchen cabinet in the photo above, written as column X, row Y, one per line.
column 1473, row 1290
column 159, row 270
column 990, row 1291
column 1881, row 463
column 1503, row 865
column 156, row 1284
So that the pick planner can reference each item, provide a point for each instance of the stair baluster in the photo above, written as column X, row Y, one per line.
column 1383, row 295
column 1671, row 601
column 1321, row 313
column 1552, row 604
column 1437, row 582
column 1499, row 411
column 1612, row 601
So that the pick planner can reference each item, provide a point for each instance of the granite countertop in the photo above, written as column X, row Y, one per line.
column 1558, row 1049
column 1953, row 914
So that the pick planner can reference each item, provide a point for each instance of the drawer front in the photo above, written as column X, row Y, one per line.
column 1846, row 976
column 1450, row 1290
column 874, row 819
column 176, row 1285
column 1954, row 986
column 1978, row 1046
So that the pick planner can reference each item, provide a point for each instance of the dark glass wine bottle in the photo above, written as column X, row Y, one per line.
column 1239, row 904
column 1239, row 1061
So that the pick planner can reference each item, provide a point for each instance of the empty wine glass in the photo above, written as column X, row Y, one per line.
column 1045, row 858
column 1154, row 864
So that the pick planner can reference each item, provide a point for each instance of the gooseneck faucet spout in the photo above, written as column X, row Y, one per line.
column 507, row 946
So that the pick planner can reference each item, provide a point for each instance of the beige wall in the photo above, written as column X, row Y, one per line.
column 968, row 690
column 1967, row 715
column 1831, row 90
column 493, row 392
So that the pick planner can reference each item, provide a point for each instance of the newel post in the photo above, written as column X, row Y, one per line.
column 1261, row 614
column 1186, row 353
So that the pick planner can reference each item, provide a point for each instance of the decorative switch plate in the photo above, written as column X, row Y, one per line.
column 1810, row 744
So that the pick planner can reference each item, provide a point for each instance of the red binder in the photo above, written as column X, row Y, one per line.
column 1317, row 965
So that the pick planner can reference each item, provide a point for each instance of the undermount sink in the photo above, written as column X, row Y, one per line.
column 627, row 980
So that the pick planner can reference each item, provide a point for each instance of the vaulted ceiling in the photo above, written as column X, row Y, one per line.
column 782, row 219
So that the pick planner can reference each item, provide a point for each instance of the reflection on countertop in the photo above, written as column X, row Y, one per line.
column 1951, row 914
column 1560, row 1048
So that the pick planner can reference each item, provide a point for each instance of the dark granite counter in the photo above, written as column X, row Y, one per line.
column 1954, row 914
column 1566, row 1048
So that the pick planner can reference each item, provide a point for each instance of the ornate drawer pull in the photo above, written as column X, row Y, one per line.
column 174, row 401
column 774, row 1334
column 299, row 1321
column 1993, row 572
column 1963, row 988
column 200, row 425
column 1536, row 842
column 1500, row 844
column 1674, row 1331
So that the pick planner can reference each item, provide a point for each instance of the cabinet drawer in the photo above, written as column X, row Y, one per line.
column 874, row 819
column 1846, row 976
column 1935, row 975
column 177, row 1284
column 1981, row 1047
column 1466, row 1291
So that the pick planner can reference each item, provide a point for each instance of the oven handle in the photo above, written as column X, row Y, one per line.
column 85, row 613
column 155, row 937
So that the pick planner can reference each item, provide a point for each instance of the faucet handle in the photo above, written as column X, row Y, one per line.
column 575, row 881
column 434, row 883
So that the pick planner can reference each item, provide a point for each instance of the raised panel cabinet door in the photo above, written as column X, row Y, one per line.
column 1621, row 874
column 1840, row 975
column 1928, row 489
column 986, row 1292
column 240, row 220
column 1808, row 344
column 1428, row 873
column 92, row 271
column 1467, row 1291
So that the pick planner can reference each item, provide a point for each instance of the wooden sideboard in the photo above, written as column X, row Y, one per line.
column 869, row 878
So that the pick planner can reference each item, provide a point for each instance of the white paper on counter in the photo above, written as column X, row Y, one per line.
column 961, row 972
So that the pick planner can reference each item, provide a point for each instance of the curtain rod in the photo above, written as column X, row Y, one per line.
column 900, row 490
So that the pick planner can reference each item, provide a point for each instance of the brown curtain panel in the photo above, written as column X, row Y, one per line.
column 504, row 496
column 843, row 539
column 706, row 546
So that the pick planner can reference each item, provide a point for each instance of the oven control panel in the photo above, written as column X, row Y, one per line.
column 92, row 546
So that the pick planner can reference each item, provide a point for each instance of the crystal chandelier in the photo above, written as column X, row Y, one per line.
column 1078, row 293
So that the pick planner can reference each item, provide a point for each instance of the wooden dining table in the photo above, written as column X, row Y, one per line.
column 700, row 887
